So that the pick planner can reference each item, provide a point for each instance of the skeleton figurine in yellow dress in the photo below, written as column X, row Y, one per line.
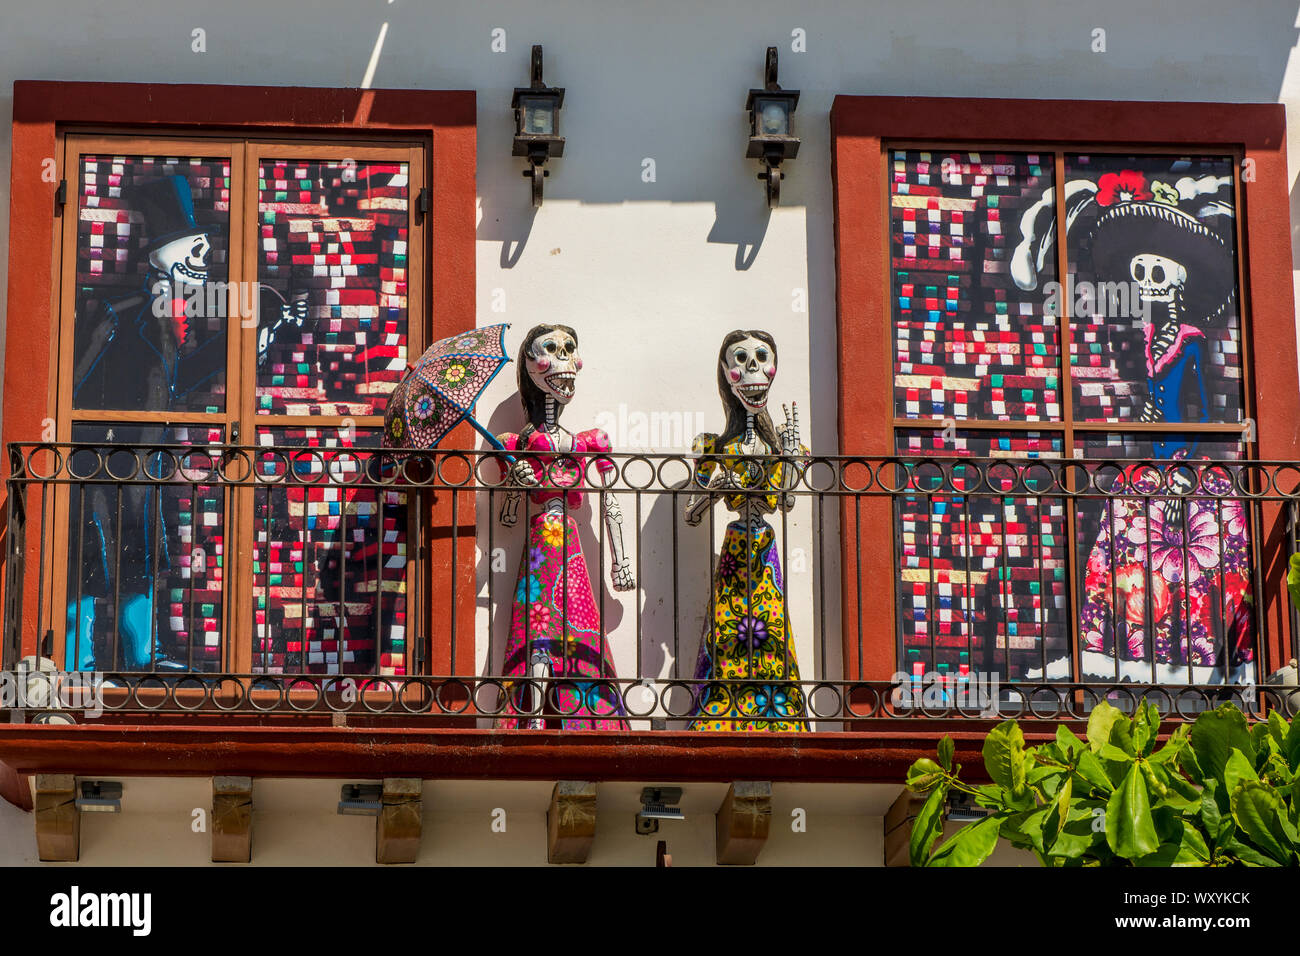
column 747, row 666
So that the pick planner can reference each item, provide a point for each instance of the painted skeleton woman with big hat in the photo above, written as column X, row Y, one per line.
column 1165, row 595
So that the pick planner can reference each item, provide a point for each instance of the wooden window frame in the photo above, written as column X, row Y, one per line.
column 865, row 128
column 442, row 122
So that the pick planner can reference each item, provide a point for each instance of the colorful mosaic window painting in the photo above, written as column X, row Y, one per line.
column 151, row 295
column 332, row 260
column 146, row 556
column 967, row 342
column 982, row 578
column 329, row 562
column 1149, row 307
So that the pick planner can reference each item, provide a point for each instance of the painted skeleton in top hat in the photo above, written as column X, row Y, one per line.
column 1173, row 241
column 1166, row 592
column 136, row 353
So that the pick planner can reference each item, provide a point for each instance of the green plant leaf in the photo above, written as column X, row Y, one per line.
column 1067, row 741
column 1058, row 817
column 1090, row 769
column 969, row 846
column 927, row 825
column 1130, row 831
column 1078, row 837
column 1277, row 729
column 1247, row 854
column 1194, row 851
column 1214, row 736
column 1173, row 746
column 1291, row 745
column 1186, row 760
column 1178, row 784
column 1004, row 757
column 1237, row 770
column 1146, row 727
column 1154, row 782
column 1278, row 773
column 1257, row 811
column 1100, row 721
column 1031, row 825
column 1013, row 829
column 1259, row 736
column 1109, row 751
column 924, row 774
column 1211, row 819
column 1036, row 775
column 1186, row 847
column 946, row 748
column 990, row 795
column 1293, row 579
column 1121, row 736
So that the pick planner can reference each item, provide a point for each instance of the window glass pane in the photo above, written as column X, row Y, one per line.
column 969, row 340
column 1155, row 332
column 1171, row 574
column 145, row 557
column 329, row 560
column 982, row 581
column 332, row 262
column 151, row 299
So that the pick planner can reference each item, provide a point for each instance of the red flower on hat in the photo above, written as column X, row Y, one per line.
column 1126, row 186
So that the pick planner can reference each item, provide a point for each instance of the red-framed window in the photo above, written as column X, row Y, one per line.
column 952, row 219
column 277, row 181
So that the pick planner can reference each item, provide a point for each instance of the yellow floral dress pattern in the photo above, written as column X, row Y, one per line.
column 747, row 643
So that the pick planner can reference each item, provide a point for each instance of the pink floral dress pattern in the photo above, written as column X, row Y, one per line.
column 1173, row 592
column 555, row 616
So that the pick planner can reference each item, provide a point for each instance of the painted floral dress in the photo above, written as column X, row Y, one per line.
column 747, row 636
column 555, row 617
column 1167, row 597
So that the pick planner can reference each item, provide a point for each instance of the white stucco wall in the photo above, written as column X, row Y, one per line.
column 470, row 823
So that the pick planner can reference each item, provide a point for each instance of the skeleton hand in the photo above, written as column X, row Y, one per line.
column 295, row 312
column 1149, row 412
column 724, row 479
column 789, row 432
column 621, row 575
column 695, row 510
column 521, row 473
column 1179, row 484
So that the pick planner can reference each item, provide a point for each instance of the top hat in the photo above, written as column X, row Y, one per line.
column 168, row 209
column 1202, row 243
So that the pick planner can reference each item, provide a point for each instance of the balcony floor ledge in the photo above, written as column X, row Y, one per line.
column 876, row 755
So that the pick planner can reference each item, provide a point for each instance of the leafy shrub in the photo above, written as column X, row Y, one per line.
column 1216, row 793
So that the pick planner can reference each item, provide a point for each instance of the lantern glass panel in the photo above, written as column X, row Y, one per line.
column 538, row 115
column 772, row 115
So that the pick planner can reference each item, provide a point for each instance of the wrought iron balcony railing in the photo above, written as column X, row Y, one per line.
column 804, row 594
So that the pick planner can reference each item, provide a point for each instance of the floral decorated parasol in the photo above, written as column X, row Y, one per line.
column 439, row 391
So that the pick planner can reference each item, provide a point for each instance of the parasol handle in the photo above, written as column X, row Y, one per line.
column 492, row 439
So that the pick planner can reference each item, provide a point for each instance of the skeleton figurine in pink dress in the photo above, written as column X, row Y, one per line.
column 555, row 623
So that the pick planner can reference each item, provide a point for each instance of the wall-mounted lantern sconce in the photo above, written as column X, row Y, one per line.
column 771, row 130
column 537, row 124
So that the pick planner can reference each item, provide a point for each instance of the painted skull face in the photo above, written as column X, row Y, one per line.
column 1158, row 277
column 184, row 260
column 553, row 364
column 750, row 367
